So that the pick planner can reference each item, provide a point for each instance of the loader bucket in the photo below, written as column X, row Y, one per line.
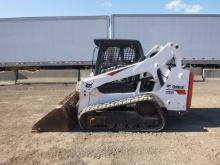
column 61, row 119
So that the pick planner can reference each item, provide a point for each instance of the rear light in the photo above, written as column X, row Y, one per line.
column 190, row 90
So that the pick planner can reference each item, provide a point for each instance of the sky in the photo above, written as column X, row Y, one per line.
column 35, row 8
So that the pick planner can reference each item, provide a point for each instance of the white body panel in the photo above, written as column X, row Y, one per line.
column 168, row 94
column 198, row 35
column 50, row 39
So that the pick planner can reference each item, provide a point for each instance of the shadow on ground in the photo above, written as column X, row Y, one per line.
column 197, row 120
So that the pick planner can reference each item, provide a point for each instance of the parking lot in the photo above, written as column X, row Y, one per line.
column 190, row 139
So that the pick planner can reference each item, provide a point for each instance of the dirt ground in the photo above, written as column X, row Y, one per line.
column 191, row 139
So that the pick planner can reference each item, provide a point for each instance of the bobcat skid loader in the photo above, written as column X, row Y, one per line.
column 128, row 91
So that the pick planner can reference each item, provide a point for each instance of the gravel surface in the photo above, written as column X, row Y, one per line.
column 190, row 139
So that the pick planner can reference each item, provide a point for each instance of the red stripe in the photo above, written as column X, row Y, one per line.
column 190, row 90
column 116, row 71
column 181, row 91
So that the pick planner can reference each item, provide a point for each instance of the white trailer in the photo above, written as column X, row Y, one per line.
column 197, row 35
column 50, row 41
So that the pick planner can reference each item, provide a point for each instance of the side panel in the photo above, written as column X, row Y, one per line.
column 197, row 35
column 174, row 92
column 50, row 39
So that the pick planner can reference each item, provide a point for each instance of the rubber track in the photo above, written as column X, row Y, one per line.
column 123, row 102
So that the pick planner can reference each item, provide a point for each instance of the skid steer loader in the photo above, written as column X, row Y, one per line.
column 128, row 91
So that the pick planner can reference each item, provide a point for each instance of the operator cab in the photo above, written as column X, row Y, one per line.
column 116, row 53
